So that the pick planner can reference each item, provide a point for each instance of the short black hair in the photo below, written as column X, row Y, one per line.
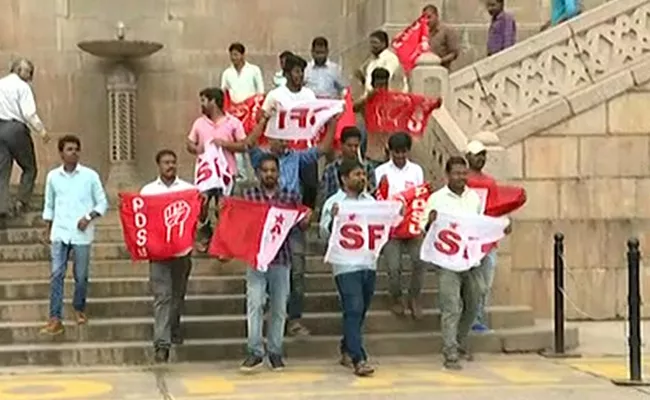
column 237, row 47
column 379, row 73
column 350, row 132
column 454, row 160
column 400, row 141
column 320, row 41
column 382, row 36
column 268, row 157
column 213, row 93
column 293, row 61
column 346, row 167
column 285, row 54
column 165, row 152
column 68, row 139
column 431, row 7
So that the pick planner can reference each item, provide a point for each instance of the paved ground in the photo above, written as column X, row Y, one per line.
column 519, row 377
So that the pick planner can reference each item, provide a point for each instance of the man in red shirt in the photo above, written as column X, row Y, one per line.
column 486, row 187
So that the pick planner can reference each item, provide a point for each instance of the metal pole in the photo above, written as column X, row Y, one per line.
column 634, row 309
column 558, row 275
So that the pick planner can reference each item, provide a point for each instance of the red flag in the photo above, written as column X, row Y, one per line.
column 252, row 231
column 159, row 227
column 414, row 201
column 498, row 200
column 248, row 111
column 412, row 42
column 389, row 112
column 347, row 118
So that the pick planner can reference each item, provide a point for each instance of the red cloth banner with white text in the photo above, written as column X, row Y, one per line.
column 414, row 201
column 248, row 111
column 252, row 232
column 302, row 120
column 360, row 230
column 460, row 242
column 410, row 43
column 389, row 112
column 159, row 227
column 211, row 171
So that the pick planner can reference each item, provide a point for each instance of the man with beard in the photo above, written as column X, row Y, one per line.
column 355, row 283
column 350, row 151
column 74, row 199
column 443, row 40
column 381, row 57
column 168, row 278
column 17, row 117
column 291, row 162
column 275, row 279
column 322, row 75
column 214, row 127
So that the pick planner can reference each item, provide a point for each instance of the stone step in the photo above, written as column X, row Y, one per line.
column 528, row 339
column 234, row 326
column 102, row 251
column 103, row 234
column 198, row 285
column 141, row 306
column 201, row 266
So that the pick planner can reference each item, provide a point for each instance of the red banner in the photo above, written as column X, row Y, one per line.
column 159, row 227
column 414, row 201
column 499, row 200
column 411, row 43
column 248, row 111
column 390, row 112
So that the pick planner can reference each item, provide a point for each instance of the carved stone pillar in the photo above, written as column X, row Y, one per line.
column 121, row 86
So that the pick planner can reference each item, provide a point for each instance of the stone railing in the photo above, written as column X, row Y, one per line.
column 549, row 71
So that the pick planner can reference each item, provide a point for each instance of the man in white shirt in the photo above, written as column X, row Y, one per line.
column 460, row 292
column 17, row 117
column 168, row 278
column 402, row 174
column 381, row 56
column 242, row 80
column 279, row 78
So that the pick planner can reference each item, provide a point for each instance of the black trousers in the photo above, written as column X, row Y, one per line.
column 16, row 144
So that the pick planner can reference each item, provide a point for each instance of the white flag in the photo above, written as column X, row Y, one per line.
column 301, row 120
column 360, row 230
column 212, row 172
column 459, row 242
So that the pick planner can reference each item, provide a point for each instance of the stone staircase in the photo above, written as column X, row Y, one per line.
column 119, row 306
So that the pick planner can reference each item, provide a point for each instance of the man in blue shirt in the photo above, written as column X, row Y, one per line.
column 291, row 162
column 74, row 198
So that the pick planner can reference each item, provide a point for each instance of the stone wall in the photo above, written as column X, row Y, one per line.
column 589, row 178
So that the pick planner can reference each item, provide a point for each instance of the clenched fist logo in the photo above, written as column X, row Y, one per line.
column 176, row 214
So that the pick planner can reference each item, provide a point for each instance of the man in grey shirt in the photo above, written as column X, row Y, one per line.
column 323, row 76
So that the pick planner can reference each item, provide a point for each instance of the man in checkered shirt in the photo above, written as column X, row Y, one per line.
column 350, row 145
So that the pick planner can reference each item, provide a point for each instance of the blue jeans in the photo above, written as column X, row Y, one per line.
column 81, row 260
column 487, row 269
column 298, row 243
column 277, row 279
column 355, row 293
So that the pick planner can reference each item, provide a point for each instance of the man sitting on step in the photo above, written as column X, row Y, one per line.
column 168, row 278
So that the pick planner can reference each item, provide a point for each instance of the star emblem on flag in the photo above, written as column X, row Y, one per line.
column 352, row 217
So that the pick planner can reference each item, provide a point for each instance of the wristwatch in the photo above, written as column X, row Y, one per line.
column 88, row 217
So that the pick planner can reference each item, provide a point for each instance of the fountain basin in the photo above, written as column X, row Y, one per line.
column 120, row 49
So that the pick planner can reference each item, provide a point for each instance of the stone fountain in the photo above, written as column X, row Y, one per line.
column 121, row 87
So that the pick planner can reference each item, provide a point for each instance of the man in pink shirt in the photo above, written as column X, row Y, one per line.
column 224, row 130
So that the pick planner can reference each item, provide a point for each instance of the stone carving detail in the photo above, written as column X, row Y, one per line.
column 546, row 71
column 122, row 121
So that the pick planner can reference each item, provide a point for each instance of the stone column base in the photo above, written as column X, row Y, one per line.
column 123, row 176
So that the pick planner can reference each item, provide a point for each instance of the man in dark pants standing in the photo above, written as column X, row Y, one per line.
column 17, row 117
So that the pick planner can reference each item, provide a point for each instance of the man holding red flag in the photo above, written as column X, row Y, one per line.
column 291, row 162
column 169, row 277
column 401, row 174
column 495, row 201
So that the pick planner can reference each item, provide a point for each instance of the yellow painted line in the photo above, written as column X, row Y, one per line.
column 523, row 375
column 222, row 384
column 446, row 378
column 65, row 389
column 428, row 389
column 606, row 370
